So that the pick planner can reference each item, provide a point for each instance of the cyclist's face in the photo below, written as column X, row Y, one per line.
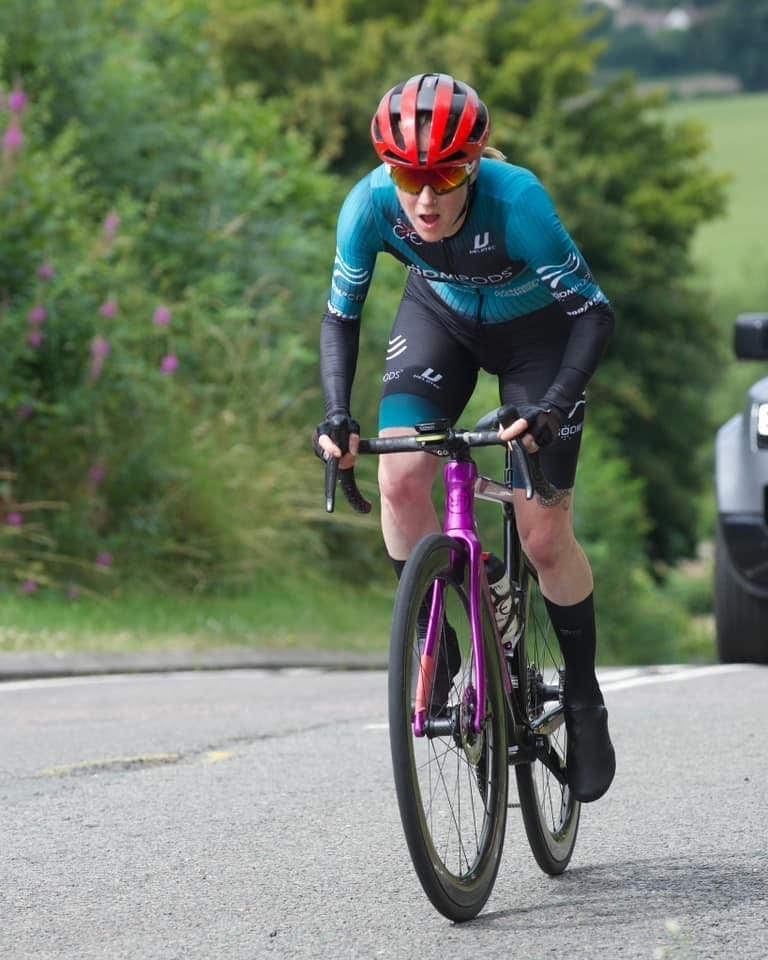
column 435, row 217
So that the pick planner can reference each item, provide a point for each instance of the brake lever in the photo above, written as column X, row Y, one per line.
column 522, row 458
column 331, row 475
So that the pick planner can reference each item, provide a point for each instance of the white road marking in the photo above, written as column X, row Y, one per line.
column 670, row 675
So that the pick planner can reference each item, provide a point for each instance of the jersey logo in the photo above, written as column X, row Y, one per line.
column 351, row 275
column 555, row 273
column 482, row 243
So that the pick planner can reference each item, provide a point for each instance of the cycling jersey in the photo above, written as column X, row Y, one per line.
column 510, row 259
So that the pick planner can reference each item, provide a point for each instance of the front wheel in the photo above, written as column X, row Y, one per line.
column 550, row 813
column 451, row 782
column 741, row 617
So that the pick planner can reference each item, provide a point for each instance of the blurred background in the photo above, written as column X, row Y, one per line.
column 170, row 175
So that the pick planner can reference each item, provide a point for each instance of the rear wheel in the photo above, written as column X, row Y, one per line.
column 452, row 782
column 550, row 813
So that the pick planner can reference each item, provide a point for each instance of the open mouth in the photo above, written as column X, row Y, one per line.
column 429, row 219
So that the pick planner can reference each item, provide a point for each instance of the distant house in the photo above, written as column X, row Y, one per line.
column 654, row 21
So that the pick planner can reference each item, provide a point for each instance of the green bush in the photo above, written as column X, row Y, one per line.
column 161, row 352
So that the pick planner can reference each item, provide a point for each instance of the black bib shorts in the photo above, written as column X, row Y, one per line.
column 434, row 356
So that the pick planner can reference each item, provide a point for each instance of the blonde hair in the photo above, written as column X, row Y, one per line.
column 493, row 154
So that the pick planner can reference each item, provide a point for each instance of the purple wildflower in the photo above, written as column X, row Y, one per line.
column 108, row 309
column 24, row 411
column 13, row 138
column 17, row 101
column 162, row 317
column 37, row 315
column 35, row 339
column 29, row 587
column 46, row 271
column 104, row 560
column 14, row 519
column 100, row 350
column 111, row 224
column 97, row 474
column 169, row 364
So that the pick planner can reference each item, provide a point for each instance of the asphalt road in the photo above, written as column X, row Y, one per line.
column 251, row 813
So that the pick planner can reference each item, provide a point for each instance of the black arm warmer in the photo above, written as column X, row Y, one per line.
column 590, row 333
column 339, row 341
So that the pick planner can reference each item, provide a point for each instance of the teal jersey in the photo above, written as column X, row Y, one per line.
column 512, row 256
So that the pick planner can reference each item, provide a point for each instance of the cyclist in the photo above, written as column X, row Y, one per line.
column 495, row 282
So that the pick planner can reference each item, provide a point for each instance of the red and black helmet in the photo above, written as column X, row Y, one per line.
column 452, row 119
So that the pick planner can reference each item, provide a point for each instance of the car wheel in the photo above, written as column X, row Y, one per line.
column 741, row 617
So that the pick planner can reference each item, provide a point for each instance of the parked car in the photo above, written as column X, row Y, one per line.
column 741, row 489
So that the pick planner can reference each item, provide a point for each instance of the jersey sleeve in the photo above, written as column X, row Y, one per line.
column 552, row 254
column 357, row 246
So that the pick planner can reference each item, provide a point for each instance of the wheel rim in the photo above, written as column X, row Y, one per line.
column 556, row 812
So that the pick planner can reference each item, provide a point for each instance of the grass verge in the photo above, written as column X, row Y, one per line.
column 312, row 616
column 302, row 616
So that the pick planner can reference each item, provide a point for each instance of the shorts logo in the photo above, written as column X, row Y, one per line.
column 570, row 430
column 429, row 376
column 396, row 346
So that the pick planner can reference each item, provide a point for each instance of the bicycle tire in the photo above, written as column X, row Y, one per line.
column 550, row 814
column 451, row 789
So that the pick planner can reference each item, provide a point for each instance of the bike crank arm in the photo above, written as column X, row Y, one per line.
column 538, row 748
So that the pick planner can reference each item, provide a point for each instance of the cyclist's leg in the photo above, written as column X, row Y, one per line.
column 428, row 375
column 565, row 576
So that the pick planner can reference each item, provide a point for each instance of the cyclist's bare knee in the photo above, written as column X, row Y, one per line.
column 546, row 530
column 408, row 477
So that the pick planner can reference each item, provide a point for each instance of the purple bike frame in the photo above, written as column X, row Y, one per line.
column 460, row 479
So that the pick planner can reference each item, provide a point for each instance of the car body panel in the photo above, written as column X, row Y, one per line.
column 741, row 490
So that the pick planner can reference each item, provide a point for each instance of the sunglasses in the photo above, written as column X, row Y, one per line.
column 442, row 180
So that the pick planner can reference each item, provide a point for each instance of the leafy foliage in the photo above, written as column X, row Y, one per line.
column 147, row 430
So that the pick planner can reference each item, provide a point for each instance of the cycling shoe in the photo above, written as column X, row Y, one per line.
column 590, row 758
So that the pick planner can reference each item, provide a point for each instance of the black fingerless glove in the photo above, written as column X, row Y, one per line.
column 338, row 427
column 544, row 421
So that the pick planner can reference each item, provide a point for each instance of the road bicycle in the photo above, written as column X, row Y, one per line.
column 452, row 747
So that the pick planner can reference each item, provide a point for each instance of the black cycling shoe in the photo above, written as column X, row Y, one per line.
column 590, row 758
column 448, row 665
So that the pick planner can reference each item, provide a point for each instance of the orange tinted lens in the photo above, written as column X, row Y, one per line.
column 441, row 181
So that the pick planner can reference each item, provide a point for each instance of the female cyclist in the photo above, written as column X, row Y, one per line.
column 495, row 282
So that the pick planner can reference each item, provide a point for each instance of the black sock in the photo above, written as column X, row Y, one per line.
column 398, row 565
column 576, row 633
